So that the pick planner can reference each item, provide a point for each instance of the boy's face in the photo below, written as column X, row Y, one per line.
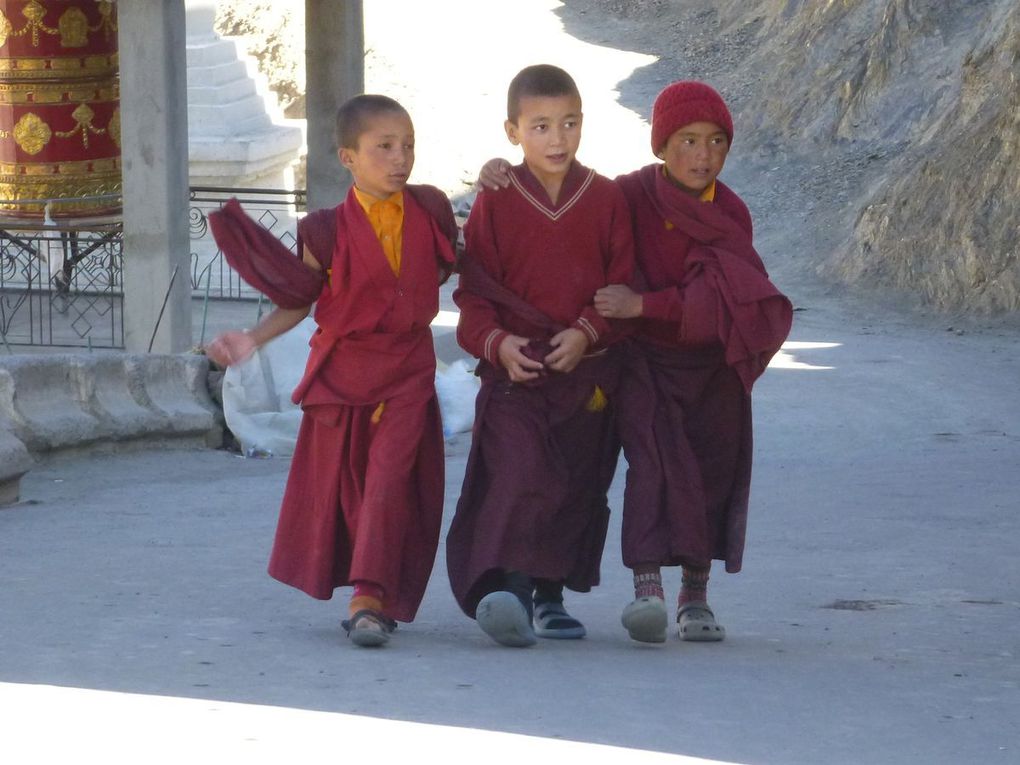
column 383, row 159
column 548, row 129
column 695, row 155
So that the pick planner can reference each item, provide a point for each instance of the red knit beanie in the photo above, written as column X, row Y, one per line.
column 685, row 102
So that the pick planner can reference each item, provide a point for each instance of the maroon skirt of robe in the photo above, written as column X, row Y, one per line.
column 364, row 501
column 684, row 420
column 534, row 493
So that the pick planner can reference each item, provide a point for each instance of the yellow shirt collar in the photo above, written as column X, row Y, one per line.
column 367, row 201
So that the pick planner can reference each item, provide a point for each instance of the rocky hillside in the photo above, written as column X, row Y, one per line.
column 891, row 126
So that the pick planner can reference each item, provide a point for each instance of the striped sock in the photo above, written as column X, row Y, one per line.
column 694, row 585
column 648, row 582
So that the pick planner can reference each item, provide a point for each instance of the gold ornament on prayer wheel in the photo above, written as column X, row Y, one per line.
column 59, row 107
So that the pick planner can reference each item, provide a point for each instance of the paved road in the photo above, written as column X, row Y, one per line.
column 876, row 619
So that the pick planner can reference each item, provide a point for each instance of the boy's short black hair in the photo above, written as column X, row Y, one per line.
column 355, row 112
column 538, row 80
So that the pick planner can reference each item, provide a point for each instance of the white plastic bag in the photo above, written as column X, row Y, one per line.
column 456, row 386
column 259, row 412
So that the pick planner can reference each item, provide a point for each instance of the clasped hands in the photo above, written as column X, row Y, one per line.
column 568, row 347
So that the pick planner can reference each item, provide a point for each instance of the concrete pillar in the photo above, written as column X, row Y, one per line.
column 154, row 145
column 335, row 71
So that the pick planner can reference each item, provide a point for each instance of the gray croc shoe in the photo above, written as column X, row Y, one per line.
column 503, row 617
column 645, row 620
column 697, row 623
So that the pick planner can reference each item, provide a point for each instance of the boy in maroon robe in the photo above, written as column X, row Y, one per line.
column 364, row 498
column 532, row 515
column 710, row 320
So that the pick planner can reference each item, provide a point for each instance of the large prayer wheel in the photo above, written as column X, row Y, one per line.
column 59, row 107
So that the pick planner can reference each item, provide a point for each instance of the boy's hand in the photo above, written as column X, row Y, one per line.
column 231, row 348
column 518, row 366
column 618, row 301
column 495, row 174
column 568, row 348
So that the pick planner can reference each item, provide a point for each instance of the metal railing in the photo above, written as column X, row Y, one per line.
column 277, row 210
column 61, row 279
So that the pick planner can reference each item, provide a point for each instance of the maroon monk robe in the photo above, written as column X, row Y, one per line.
column 541, row 459
column 712, row 320
column 364, row 498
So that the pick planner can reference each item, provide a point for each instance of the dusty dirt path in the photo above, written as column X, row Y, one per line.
column 455, row 85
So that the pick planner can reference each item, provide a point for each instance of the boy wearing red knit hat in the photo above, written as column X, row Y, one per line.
column 709, row 320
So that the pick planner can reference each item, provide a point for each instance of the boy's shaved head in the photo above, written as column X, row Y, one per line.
column 538, row 80
column 354, row 114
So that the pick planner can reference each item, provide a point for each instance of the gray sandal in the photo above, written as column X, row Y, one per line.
column 697, row 623
column 369, row 628
column 553, row 621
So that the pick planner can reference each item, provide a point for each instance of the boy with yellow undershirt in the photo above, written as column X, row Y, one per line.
column 364, row 498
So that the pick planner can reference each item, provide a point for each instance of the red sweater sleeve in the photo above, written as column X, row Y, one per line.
column 619, row 269
column 478, row 329
column 663, row 305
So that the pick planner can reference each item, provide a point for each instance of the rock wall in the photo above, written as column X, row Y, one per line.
column 900, row 119
column 946, row 223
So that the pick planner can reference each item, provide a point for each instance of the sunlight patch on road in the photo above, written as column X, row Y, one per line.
column 787, row 360
column 135, row 728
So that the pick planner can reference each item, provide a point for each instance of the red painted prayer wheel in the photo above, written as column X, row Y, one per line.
column 59, row 107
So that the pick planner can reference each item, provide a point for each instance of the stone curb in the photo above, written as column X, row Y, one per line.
column 51, row 403
column 15, row 461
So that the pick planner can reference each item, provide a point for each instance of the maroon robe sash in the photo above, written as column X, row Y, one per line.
column 265, row 264
column 753, row 317
column 262, row 260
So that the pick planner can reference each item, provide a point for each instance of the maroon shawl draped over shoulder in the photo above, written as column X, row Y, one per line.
column 377, row 322
column 267, row 265
column 262, row 260
column 753, row 317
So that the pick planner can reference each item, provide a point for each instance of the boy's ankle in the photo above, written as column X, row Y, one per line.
column 648, row 582
column 364, row 603
column 548, row 591
column 694, row 586
column 523, row 587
